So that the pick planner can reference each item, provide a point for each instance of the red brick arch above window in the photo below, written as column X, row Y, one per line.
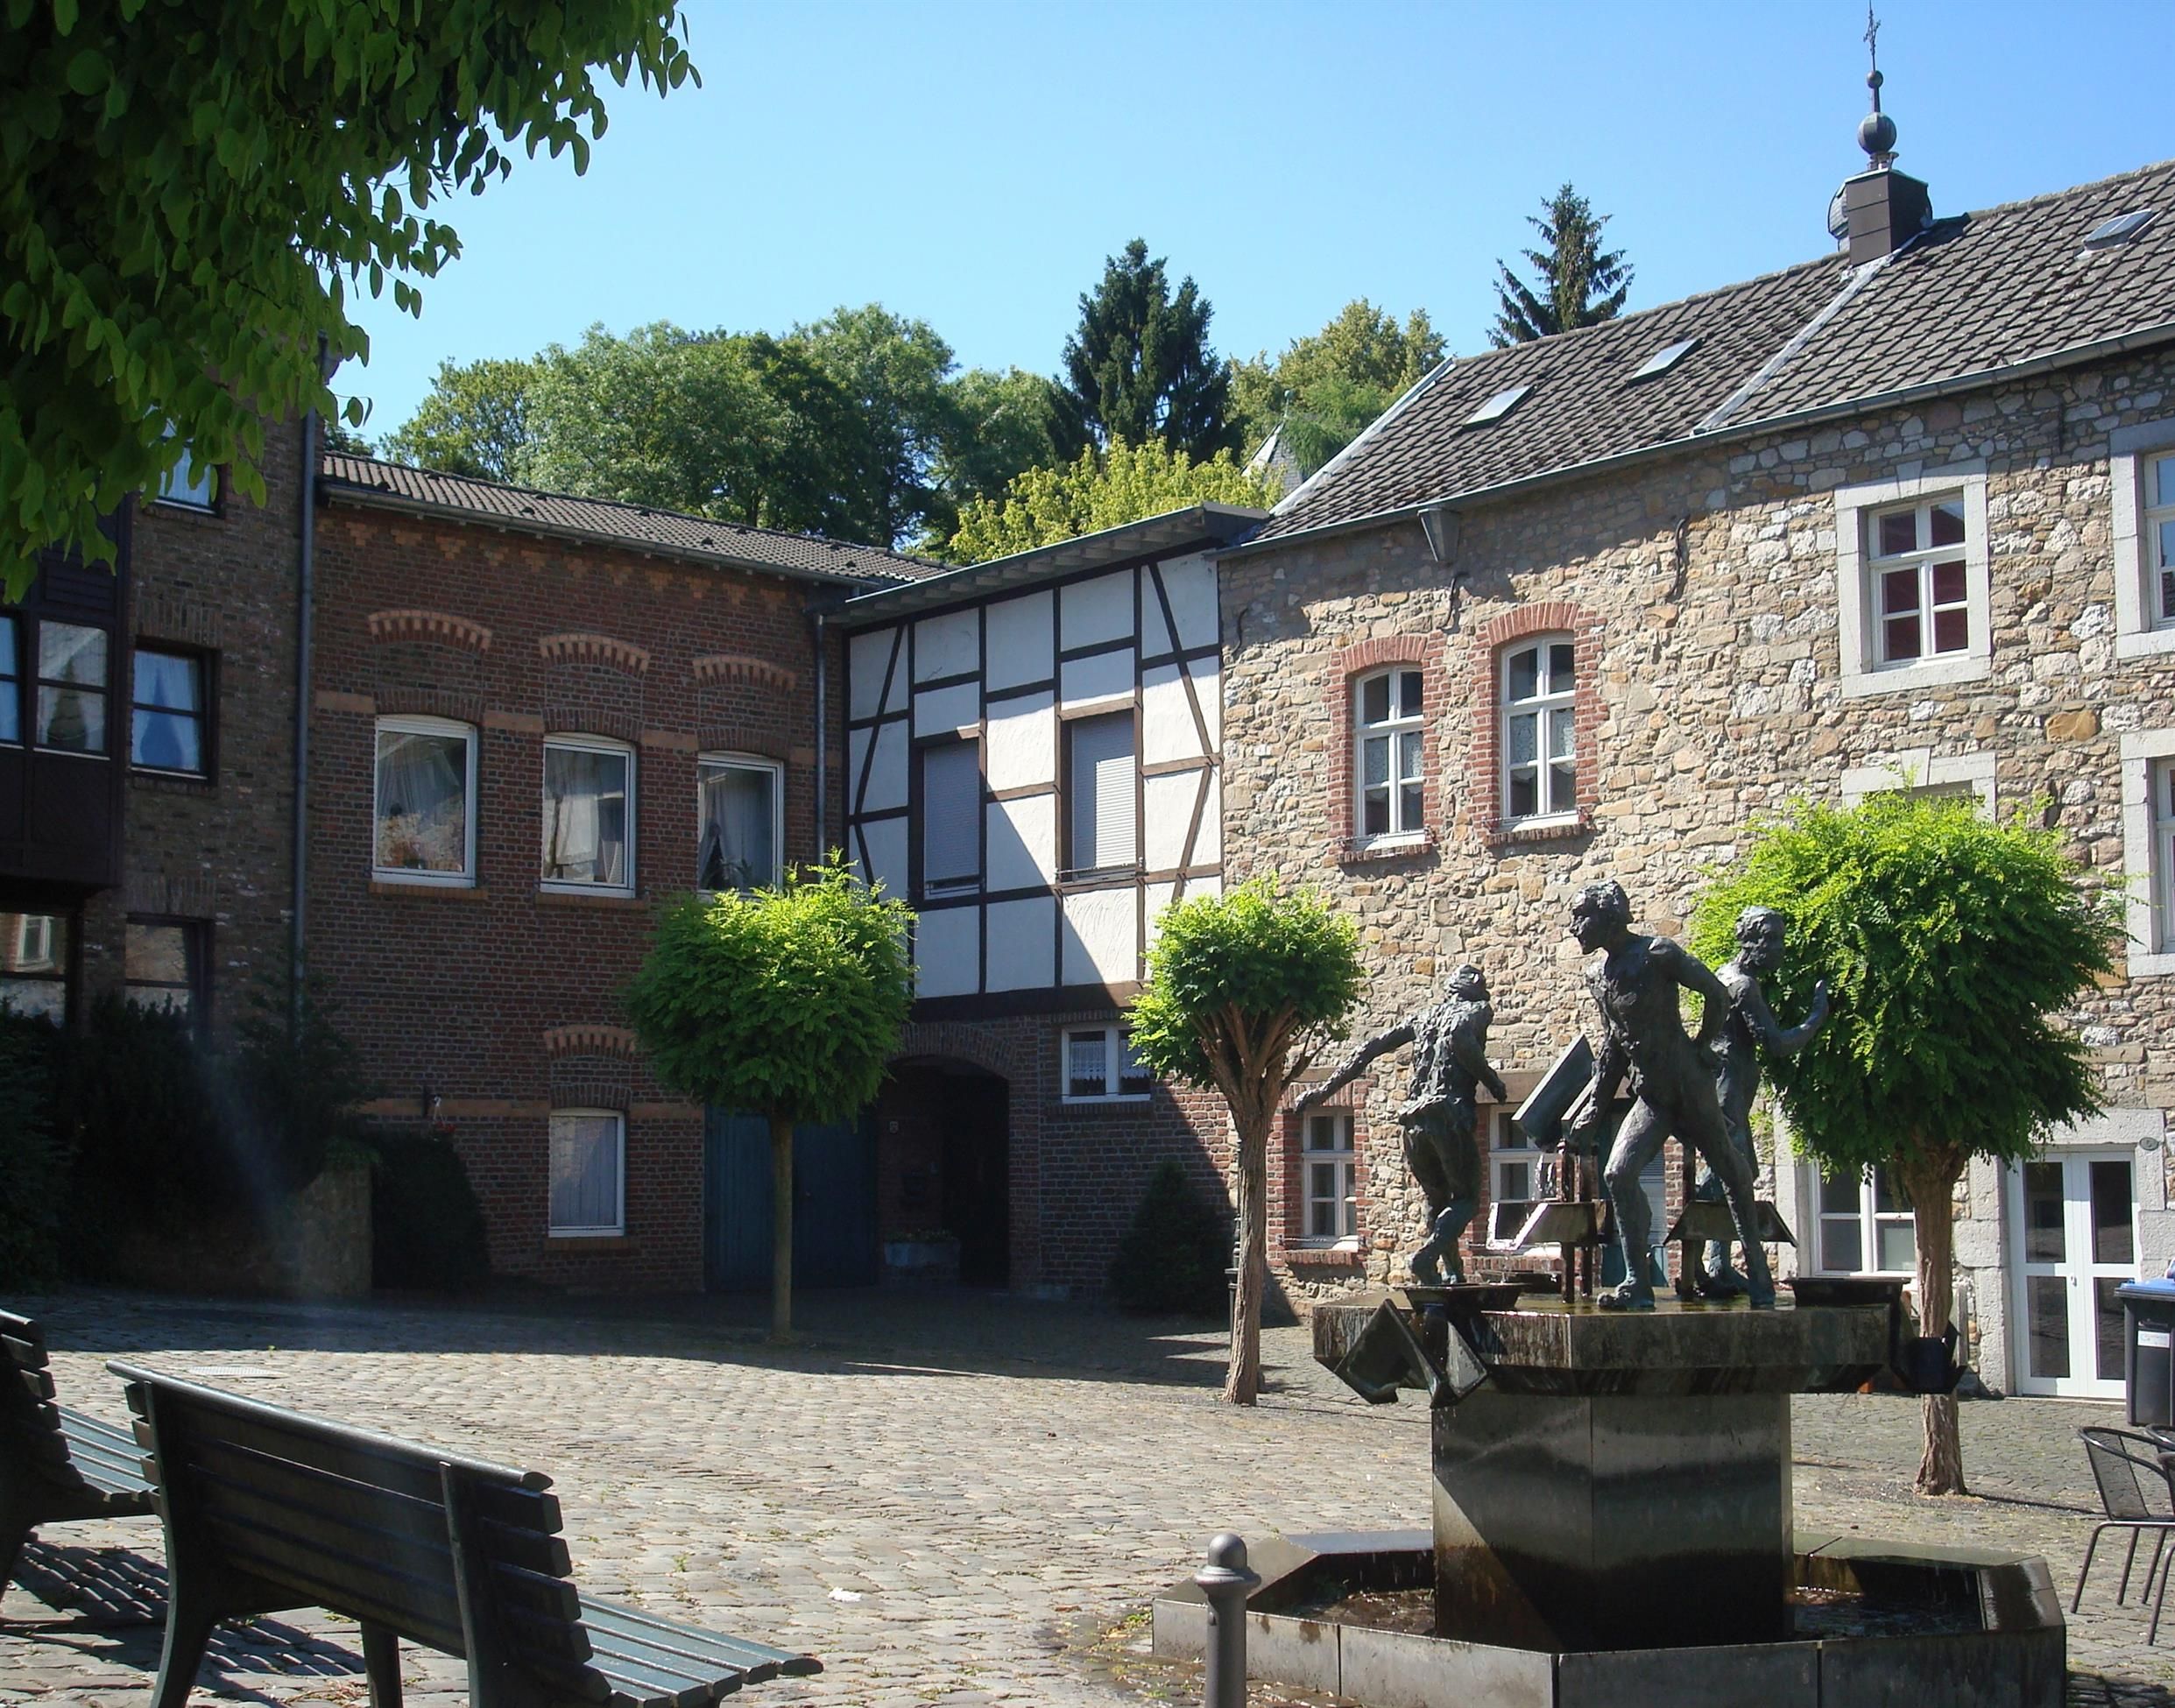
column 594, row 649
column 437, row 626
column 1348, row 667
column 1484, row 776
column 590, row 1041
column 740, row 667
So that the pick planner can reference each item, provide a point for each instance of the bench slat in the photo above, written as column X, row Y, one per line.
column 613, row 1648
column 617, row 1616
column 37, row 1383
column 25, row 1351
column 80, row 1425
column 661, row 1684
column 292, row 1563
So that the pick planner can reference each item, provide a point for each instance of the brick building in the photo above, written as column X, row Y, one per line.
column 532, row 718
column 147, row 754
column 1903, row 517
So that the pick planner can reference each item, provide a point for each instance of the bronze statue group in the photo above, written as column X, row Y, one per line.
column 1699, row 1090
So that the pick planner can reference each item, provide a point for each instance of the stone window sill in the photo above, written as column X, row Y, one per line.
column 1355, row 851
column 172, row 782
column 1345, row 1257
column 1558, row 828
column 429, row 892
column 577, row 898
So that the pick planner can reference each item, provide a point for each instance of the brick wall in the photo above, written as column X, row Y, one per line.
column 502, row 1000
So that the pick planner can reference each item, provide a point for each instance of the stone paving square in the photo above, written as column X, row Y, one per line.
column 949, row 1498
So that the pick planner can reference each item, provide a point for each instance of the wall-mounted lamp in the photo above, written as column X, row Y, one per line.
column 1440, row 524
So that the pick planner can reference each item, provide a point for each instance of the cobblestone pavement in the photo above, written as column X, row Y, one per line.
column 952, row 1498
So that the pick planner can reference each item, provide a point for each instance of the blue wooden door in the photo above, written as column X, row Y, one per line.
column 834, row 1209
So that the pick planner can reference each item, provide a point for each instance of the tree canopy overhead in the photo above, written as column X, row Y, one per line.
column 1126, row 483
column 1575, row 282
column 473, row 421
column 189, row 195
column 1140, row 367
column 1327, row 388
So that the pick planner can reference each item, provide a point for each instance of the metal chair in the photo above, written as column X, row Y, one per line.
column 2117, row 1458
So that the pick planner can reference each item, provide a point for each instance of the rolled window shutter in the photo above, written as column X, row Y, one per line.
column 951, row 813
column 1103, row 817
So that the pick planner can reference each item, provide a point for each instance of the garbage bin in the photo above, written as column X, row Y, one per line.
column 2149, row 1366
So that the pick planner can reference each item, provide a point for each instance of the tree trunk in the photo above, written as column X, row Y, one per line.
column 1242, row 1382
column 780, row 1228
column 1930, row 1182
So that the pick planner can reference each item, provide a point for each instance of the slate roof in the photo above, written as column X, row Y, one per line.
column 1975, row 297
column 696, row 538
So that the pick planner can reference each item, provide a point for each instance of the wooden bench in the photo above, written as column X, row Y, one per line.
column 55, row 1465
column 267, row 1510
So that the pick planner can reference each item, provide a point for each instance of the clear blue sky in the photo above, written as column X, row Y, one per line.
column 971, row 162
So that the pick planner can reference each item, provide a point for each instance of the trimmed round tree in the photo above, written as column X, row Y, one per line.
column 1951, row 945
column 786, row 1002
column 1242, row 989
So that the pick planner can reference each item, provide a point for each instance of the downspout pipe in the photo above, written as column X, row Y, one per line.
column 304, row 599
column 822, row 733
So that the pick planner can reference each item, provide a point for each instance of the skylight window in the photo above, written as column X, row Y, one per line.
column 2112, row 234
column 1665, row 358
column 1497, row 406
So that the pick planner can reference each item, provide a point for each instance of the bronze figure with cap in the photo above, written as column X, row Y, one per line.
column 1439, row 1115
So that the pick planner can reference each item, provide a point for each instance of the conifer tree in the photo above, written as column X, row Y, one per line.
column 1140, row 366
column 1575, row 282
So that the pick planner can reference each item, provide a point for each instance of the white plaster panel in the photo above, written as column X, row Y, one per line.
column 1208, row 847
column 886, row 843
column 1097, row 609
column 1154, row 898
column 1168, row 799
column 1099, row 677
column 947, row 646
column 1020, row 647
column 1190, row 585
column 1022, row 842
column 868, row 653
column 940, row 710
column 887, row 776
column 1023, row 945
column 1101, row 935
column 948, row 951
column 1021, row 742
column 1208, row 688
column 1168, row 730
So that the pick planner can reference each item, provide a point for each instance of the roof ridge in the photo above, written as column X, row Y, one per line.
column 628, row 504
column 2058, row 195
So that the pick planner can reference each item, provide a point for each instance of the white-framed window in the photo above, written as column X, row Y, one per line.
column 2142, row 468
column 589, row 1172
column 1913, row 596
column 190, row 484
column 1389, row 742
column 34, row 965
column 588, row 815
column 1537, row 728
column 425, row 802
column 1865, row 1226
column 951, row 817
column 1923, row 774
column 1513, row 1164
column 1101, row 780
column 1099, row 1066
column 739, row 810
column 2148, row 771
column 1329, row 1178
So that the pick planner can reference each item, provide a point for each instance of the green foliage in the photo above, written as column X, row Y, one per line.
column 1326, row 389
column 1002, row 426
column 427, row 1228
column 1255, row 951
column 473, row 421
column 1949, row 945
column 1172, row 1256
column 895, row 374
column 188, row 196
column 1125, row 484
column 1575, row 282
column 785, row 1002
column 289, row 1091
column 334, row 434
column 33, row 1168
column 1140, row 367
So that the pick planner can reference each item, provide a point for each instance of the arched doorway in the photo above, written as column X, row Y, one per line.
column 944, row 1161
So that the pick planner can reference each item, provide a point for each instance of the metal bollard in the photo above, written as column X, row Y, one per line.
column 1225, row 1581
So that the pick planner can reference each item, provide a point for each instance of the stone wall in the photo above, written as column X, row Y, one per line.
column 1702, row 591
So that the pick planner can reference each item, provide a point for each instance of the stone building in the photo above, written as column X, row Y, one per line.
column 532, row 717
column 147, row 753
column 1900, row 517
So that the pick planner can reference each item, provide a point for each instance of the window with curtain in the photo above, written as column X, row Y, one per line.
column 426, row 788
column 2160, row 535
column 191, row 485
column 1538, row 729
column 1100, row 1066
column 1390, row 795
column 951, row 816
column 589, row 815
column 1915, row 554
column 34, row 965
column 1100, row 789
column 72, row 675
column 588, row 1172
column 738, row 801
column 10, row 679
column 166, row 717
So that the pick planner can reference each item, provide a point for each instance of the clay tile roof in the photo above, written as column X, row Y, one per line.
column 698, row 538
column 1979, row 294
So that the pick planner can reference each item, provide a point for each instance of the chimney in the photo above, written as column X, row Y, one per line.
column 1880, row 211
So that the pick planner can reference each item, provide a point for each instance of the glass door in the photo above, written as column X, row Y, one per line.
column 2076, row 1242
